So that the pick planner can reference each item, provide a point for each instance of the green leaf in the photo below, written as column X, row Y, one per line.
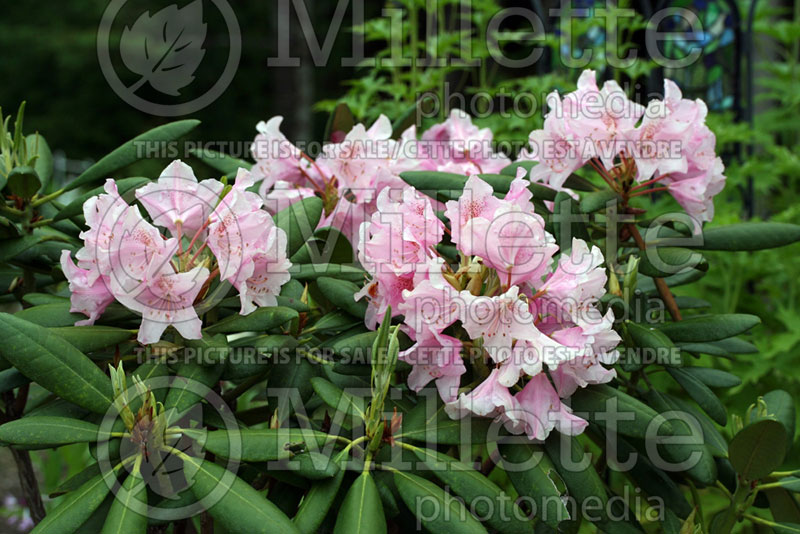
column 723, row 347
column 356, row 348
column 267, row 346
column 679, row 449
column 44, row 432
column 709, row 327
column 75, row 207
column 55, row 314
column 55, row 364
column 714, row 378
column 715, row 442
column 77, row 506
column 12, row 379
column 338, row 399
column 790, row 483
column 568, row 222
column 582, row 483
column 305, row 272
column 598, row 200
column 131, row 151
column 233, row 502
column 44, row 158
column 258, row 445
column 311, row 465
column 780, row 407
column 538, row 482
column 335, row 321
column 341, row 293
column 480, row 494
column 258, row 321
column 183, row 395
column 599, row 399
column 424, row 425
column 227, row 165
column 361, row 511
column 24, row 182
column 328, row 245
column 11, row 248
column 700, row 393
column 316, row 503
column 650, row 340
column 76, row 481
column 785, row 528
column 124, row 516
column 437, row 511
column 299, row 222
column 750, row 236
column 92, row 338
column 665, row 261
column 758, row 449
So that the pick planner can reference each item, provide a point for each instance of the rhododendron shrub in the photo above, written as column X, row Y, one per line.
column 407, row 330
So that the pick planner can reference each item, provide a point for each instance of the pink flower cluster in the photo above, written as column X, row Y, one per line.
column 214, row 230
column 667, row 142
column 529, row 326
column 349, row 174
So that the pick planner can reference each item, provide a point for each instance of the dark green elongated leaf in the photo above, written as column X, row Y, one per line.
column 361, row 511
column 665, row 261
column 55, row 314
column 131, row 151
column 316, row 503
column 233, row 502
column 305, row 272
column 700, row 393
column 260, row 320
column 44, row 432
column 568, row 222
column 750, row 236
column 650, row 340
column 479, row 493
column 646, row 283
column 338, row 399
column 582, row 483
column 694, row 453
column 259, row 445
column 709, row 327
column 715, row 442
column 335, row 321
column 783, row 505
column 340, row 293
column 537, row 482
column 785, row 528
column 91, row 338
column 288, row 376
column 77, row 506
column 311, row 465
column 12, row 379
column 299, row 222
column 54, row 364
column 23, row 182
column 758, row 449
column 715, row 378
column 44, row 158
column 598, row 200
column 442, row 185
column 437, row 427
column 125, row 515
column 723, row 347
column 690, row 303
column 10, row 248
column 38, row 299
column 328, row 245
column 266, row 347
column 438, row 512
column 76, row 206
column 654, row 481
column 356, row 348
column 599, row 400
column 780, row 406
column 184, row 393
column 789, row 483
column 77, row 480
column 227, row 165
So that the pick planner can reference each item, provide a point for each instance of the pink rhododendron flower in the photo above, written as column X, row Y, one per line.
column 276, row 158
column 458, row 146
column 537, row 410
column 489, row 399
column 435, row 356
column 177, row 199
column 88, row 298
column 215, row 231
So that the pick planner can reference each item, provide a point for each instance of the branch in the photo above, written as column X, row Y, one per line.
column 661, row 285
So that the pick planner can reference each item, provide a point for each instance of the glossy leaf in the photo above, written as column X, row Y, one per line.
column 537, row 482
column 758, row 449
column 700, row 393
column 77, row 506
column 338, row 399
column 43, row 432
column 709, row 327
column 750, row 236
column 299, row 222
column 258, row 445
column 258, row 321
column 124, row 517
column 361, row 511
column 92, row 338
column 131, row 151
column 341, row 294
column 601, row 399
column 53, row 363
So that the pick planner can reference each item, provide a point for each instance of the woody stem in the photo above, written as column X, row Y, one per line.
column 661, row 285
